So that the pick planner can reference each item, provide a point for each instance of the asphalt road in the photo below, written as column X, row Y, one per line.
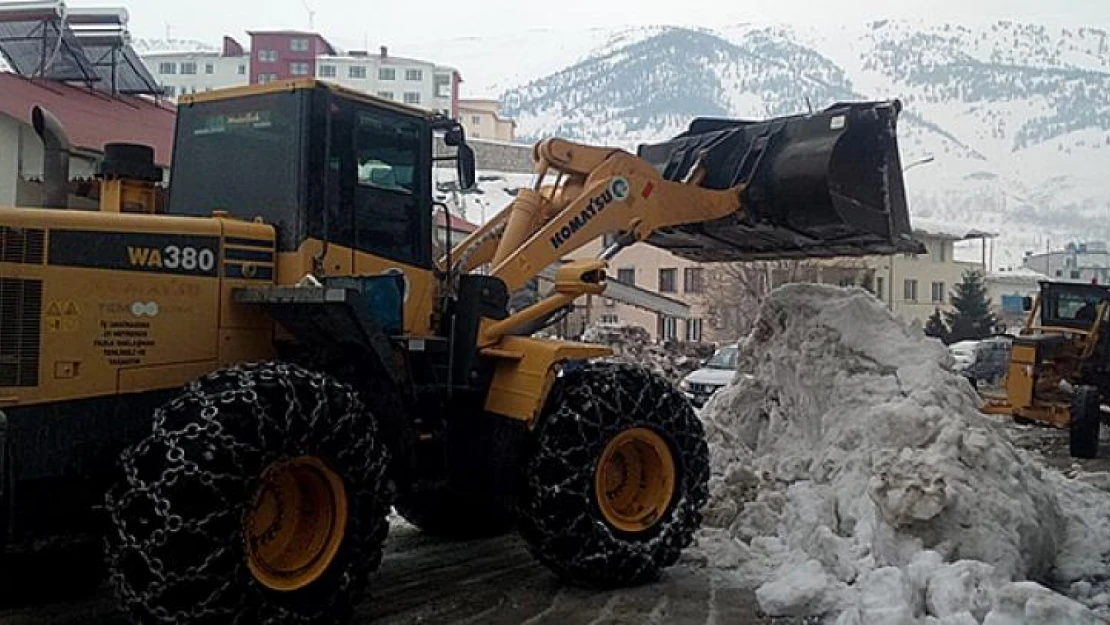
column 490, row 582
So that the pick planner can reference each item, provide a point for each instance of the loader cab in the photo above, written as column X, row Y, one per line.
column 316, row 161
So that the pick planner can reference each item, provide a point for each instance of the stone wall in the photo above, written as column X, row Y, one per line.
column 495, row 155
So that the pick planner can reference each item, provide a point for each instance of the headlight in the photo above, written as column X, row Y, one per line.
column 684, row 385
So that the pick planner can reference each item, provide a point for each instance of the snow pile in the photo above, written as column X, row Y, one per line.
column 632, row 344
column 854, row 478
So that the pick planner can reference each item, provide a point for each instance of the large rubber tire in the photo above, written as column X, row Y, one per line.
column 558, row 510
column 176, row 550
column 1083, row 426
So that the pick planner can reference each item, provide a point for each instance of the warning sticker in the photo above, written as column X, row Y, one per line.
column 61, row 316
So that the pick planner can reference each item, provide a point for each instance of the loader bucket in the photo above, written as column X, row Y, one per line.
column 819, row 185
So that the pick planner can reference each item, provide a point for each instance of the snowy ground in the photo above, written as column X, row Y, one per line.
column 496, row 582
column 855, row 482
column 487, row 582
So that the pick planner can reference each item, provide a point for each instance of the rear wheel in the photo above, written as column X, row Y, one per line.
column 258, row 497
column 1084, row 421
column 615, row 477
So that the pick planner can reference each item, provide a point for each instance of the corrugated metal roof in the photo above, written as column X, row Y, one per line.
column 92, row 118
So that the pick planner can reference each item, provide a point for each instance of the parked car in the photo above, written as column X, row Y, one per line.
column 717, row 371
column 984, row 361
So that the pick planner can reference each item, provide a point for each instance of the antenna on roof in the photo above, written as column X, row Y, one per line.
column 809, row 105
column 311, row 15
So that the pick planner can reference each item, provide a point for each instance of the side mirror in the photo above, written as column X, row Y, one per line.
column 1026, row 303
column 466, row 167
column 454, row 136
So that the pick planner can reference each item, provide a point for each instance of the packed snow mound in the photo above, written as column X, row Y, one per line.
column 855, row 478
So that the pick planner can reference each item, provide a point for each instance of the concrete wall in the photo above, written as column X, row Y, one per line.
column 495, row 155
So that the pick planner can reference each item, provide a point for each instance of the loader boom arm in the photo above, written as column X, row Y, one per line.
column 602, row 191
column 818, row 185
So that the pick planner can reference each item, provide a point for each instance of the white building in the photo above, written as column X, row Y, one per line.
column 282, row 54
column 1008, row 288
column 914, row 286
column 411, row 81
column 1080, row 262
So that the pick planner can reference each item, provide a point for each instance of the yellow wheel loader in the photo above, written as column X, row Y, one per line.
column 1059, row 369
column 232, row 393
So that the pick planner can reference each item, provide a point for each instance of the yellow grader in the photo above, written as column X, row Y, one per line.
column 1059, row 367
column 232, row 394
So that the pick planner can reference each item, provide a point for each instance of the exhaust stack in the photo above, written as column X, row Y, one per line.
column 55, row 158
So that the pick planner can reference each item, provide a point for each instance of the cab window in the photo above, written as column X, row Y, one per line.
column 377, row 186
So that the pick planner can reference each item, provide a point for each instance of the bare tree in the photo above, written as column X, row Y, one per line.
column 737, row 290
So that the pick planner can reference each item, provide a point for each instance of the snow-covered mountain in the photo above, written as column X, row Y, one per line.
column 1016, row 116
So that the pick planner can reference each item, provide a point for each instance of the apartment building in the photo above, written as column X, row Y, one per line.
column 482, row 120
column 914, row 286
column 411, row 81
column 288, row 54
column 661, row 272
column 911, row 286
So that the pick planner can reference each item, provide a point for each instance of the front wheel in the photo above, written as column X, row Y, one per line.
column 258, row 497
column 614, row 478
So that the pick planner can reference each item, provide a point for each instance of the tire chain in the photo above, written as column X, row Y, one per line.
column 208, row 455
column 559, row 519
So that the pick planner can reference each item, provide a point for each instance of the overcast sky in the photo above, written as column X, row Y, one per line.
column 396, row 23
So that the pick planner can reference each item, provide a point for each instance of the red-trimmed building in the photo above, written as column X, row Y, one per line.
column 285, row 54
column 89, row 119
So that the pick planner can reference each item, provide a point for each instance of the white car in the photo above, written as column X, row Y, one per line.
column 698, row 386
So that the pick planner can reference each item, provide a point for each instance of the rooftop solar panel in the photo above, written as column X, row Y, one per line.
column 43, row 49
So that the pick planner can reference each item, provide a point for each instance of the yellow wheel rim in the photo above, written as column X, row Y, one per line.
column 635, row 480
column 295, row 523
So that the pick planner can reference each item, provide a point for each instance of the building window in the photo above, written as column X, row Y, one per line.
column 327, row 71
column 667, row 280
column 189, row 67
column 693, row 280
column 299, row 69
column 298, row 45
column 879, row 284
column 910, row 291
column 412, row 97
column 476, row 119
column 265, row 78
column 388, row 95
column 609, row 318
column 1075, row 274
column 414, row 74
column 267, row 56
column 209, row 68
column 242, row 69
column 938, row 292
column 167, row 68
column 627, row 275
column 668, row 328
column 693, row 330
column 356, row 71
column 387, row 73
column 170, row 90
